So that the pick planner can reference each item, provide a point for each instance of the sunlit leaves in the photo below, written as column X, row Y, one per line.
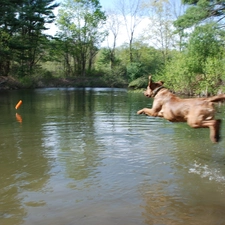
column 80, row 23
column 201, row 10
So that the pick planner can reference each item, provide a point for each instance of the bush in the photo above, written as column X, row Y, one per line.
column 115, row 77
column 135, row 70
column 140, row 82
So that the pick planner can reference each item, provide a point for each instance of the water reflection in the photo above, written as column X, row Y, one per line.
column 70, row 134
column 24, row 169
column 19, row 118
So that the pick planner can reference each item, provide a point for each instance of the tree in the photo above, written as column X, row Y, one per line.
column 202, row 10
column 8, row 26
column 205, row 53
column 203, row 43
column 5, row 53
column 25, row 22
column 30, row 40
column 160, row 31
column 132, row 12
column 113, row 26
column 178, row 9
column 80, row 23
column 200, row 67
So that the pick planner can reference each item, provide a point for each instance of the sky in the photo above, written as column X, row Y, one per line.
column 106, row 3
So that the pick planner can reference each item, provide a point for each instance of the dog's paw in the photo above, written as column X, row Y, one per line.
column 140, row 112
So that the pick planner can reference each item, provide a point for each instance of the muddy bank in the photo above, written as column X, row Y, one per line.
column 9, row 83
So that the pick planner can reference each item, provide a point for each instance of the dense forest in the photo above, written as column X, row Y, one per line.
column 183, row 43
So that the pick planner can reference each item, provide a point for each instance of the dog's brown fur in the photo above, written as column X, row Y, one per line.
column 197, row 112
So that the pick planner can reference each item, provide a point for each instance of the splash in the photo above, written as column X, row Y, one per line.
column 204, row 171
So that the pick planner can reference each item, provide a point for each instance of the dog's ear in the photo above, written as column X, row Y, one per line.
column 149, row 80
column 161, row 82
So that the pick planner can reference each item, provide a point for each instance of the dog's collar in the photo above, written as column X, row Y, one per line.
column 155, row 92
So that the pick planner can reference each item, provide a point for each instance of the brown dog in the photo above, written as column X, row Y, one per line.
column 197, row 112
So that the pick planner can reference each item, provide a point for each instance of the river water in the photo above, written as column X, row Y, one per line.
column 83, row 157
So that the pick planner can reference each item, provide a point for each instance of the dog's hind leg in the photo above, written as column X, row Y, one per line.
column 214, row 126
column 216, row 131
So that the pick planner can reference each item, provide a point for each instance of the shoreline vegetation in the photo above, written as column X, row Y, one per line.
column 187, row 53
column 138, row 85
column 11, row 83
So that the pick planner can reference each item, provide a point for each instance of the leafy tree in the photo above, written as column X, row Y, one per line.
column 204, row 43
column 24, row 21
column 177, row 75
column 113, row 26
column 8, row 26
column 133, row 13
column 198, row 69
column 5, row 53
column 147, row 60
column 107, row 57
column 205, row 52
column 160, row 29
column 201, row 10
column 80, row 22
column 30, row 41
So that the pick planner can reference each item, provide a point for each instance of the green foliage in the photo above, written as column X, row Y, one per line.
column 192, row 16
column 106, row 58
column 4, row 52
column 25, row 22
column 194, row 65
column 200, row 68
column 177, row 75
column 115, row 78
column 26, row 81
column 140, row 82
column 80, row 23
column 203, row 43
column 4, row 42
column 135, row 70
column 199, row 11
column 213, row 74
column 146, row 60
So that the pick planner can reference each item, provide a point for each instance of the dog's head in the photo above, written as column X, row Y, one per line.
column 153, row 88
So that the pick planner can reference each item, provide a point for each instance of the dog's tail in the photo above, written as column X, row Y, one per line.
column 217, row 98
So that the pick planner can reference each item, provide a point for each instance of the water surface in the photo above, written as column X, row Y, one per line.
column 83, row 157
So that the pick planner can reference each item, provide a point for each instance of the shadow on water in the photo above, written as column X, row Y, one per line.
column 83, row 156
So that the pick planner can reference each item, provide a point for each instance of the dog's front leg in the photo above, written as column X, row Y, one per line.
column 148, row 112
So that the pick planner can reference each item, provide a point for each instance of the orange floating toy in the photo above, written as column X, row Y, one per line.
column 18, row 104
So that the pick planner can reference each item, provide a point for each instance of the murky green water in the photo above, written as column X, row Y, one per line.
column 83, row 157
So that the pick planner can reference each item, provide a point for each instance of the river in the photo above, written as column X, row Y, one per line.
column 83, row 157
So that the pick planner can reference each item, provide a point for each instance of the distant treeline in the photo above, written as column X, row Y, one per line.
column 184, row 48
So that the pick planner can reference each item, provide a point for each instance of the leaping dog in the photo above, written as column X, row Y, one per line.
column 197, row 112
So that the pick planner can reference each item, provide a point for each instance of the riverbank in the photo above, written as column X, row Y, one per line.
column 11, row 83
